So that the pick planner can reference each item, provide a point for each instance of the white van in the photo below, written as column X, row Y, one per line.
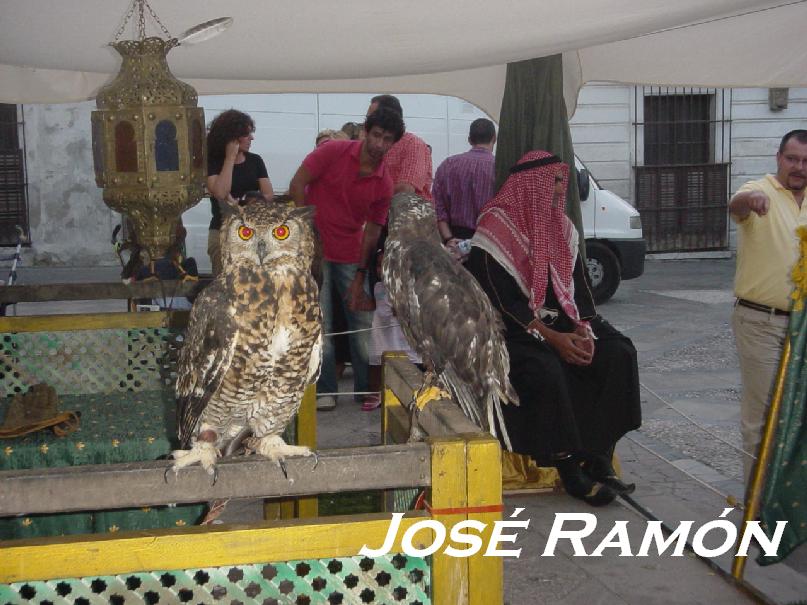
column 286, row 126
column 615, row 247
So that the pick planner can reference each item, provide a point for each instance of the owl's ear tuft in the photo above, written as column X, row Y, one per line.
column 253, row 197
column 304, row 212
column 283, row 198
column 229, row 207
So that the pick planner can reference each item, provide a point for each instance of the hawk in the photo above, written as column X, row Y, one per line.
column 254, row 339
column 446, row 317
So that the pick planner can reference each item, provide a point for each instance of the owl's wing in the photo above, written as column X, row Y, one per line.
column 206, row 355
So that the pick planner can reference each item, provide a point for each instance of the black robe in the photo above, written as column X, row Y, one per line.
column 565, row 408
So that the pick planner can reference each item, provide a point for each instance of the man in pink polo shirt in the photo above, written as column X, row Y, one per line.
column 348, row 183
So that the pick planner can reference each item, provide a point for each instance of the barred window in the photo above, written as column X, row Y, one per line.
column 13, row 199
column 682, row 185
column 677, row 129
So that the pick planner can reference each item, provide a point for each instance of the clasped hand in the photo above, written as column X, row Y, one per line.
column 573, row 347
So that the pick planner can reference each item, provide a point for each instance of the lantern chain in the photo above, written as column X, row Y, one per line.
column 141, row 5
column 156, row 20
column 125, row 21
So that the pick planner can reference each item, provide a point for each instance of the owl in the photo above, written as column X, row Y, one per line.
column 254, row 340
column 444, row 314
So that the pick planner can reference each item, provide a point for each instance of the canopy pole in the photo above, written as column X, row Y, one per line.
column 754, row 492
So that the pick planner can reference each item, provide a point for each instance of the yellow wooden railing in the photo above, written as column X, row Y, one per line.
column 462, row 477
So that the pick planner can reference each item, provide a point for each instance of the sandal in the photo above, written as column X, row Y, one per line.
column 370, row 403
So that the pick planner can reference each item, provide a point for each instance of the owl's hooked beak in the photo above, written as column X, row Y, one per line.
column 261, row 250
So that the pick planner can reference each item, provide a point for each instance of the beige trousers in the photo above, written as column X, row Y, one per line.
column 214, row 250
column 759, row 337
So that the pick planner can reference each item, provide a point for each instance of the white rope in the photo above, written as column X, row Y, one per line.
column 362, row 330
column 695, row 422
column 349, row 393
column 729, row 498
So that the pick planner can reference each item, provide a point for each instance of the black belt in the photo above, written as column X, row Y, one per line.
column 764, row 308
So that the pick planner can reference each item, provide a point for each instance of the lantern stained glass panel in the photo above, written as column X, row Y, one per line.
column 166, row 153
column 125, row 148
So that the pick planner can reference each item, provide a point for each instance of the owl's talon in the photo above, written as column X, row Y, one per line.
column 203, row 452
column 274, row 448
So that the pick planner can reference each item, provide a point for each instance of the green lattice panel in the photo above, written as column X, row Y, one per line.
column 86, row 361
column 403, row 500
column 388, row 580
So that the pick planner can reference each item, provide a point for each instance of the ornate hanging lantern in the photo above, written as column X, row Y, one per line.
column 148, row 139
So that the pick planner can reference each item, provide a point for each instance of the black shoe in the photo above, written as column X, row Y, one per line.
column 600, row 495
column 575, row 482
column 599, row 468
column 579, row 485
column 620, row 487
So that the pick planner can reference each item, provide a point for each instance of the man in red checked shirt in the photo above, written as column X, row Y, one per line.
column 409, row 162
column 349, row 184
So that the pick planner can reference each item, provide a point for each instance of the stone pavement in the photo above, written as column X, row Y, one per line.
column 678, row 317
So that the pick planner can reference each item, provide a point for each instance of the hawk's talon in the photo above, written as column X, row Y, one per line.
column 215, row 474
column 165, row 474
column 282, row 464
column 316, row 460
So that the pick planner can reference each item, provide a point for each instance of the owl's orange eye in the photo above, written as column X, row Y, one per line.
column 245, row 232
column 280, row 232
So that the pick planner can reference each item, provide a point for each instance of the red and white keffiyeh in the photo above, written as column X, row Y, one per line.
column 528, row 236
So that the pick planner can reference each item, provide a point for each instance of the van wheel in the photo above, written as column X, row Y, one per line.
column 603, row 271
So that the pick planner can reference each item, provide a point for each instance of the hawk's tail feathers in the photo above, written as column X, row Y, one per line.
column 501, row 375
column 482, row 413
column 497, row 404
column 463, row 396
column 510, row 393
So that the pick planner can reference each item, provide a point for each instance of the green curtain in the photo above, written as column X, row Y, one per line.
column 533, row 116
column 784, row 497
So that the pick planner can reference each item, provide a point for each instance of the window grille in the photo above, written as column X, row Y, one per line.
column 13, row 198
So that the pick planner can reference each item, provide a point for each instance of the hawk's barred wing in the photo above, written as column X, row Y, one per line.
column 445, row 314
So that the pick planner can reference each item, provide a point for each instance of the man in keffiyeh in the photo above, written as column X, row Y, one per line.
column 576, row 376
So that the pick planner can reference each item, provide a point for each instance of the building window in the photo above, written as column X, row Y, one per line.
column 13, row 199
column 677, row 129
column 682, row 169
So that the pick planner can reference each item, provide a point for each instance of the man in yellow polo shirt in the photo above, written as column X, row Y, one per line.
column 767, row 212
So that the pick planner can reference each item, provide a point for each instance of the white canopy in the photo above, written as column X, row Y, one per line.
column 55, row 50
